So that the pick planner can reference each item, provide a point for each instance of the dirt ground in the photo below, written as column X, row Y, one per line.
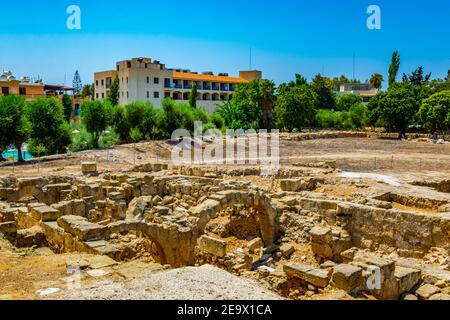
column 398, row 158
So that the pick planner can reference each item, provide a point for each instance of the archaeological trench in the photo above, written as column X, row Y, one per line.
column 286, row 231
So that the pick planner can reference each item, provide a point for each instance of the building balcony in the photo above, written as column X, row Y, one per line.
column 207, row 87
column 216, row 88
column 187, row 86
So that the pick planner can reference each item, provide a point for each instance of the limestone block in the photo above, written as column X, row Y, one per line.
column 406, row 278
column 212, row 246
column 255, row 244
column 82, row 228
column 89, row 168
column 287, row 250
column 346, row 277
column 45, row 213
column 317, row 277
column 321, row 235
column 426, row 291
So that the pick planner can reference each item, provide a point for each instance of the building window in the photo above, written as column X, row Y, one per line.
column 122, row 79
column 127, row 79
column 23, row 91
column 156, row 95
column 148, row 79
column 96, row 83
column 167, row 94
column 128, row 94
column 103, row 83
column 156, row 80
column 122, row 94
column 148, row 94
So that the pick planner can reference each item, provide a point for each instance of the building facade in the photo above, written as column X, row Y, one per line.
column 141, row 79
column 364, row 90
column 24, row 87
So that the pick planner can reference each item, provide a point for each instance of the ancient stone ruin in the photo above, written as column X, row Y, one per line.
column 297, row 240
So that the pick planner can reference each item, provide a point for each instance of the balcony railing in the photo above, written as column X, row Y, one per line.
column 187, row 86
column 216, row 88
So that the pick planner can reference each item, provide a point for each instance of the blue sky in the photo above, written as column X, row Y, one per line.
column 286, row 36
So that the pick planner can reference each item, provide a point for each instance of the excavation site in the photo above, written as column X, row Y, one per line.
column 346, row 216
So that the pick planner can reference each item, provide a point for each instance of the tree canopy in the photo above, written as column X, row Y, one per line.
column 324, row 89
column 435, row 112
column 295, row 108
column 48, row 126
column 96, row 116
column 394, row 67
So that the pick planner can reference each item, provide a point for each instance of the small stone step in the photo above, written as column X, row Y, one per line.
column 317, row 277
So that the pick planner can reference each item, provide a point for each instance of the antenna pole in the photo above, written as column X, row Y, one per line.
column 354, row 66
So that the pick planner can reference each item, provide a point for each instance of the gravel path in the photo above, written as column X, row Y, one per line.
column 190, row 283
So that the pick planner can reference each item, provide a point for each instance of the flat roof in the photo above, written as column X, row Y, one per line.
column 205, row 77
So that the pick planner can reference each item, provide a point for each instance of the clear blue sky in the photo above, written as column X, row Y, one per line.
column 286, row 36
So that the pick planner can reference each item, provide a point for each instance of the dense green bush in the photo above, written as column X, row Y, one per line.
column 346, row 101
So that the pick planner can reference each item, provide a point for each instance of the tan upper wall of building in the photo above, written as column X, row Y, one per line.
column 250, row 75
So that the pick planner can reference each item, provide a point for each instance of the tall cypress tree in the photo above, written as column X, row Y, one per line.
column 193, row 96
column 394, row 67
column 113, row 94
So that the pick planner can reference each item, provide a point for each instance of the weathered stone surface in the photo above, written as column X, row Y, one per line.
column 287, row 250
column 410, row 297
column 89, row 168
column 8, row 227
column 212, row 246
column 426, row 291
column 255, row 244
column 347, row 277
column 321, row 235
column 45, row 213
column 27, row 238
column 82, row 228
column 407, row 278
column 317, row 277
column 440, row 296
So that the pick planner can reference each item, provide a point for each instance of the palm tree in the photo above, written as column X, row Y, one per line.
column 376, row 81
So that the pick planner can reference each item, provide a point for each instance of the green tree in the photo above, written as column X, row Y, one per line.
column 48, row 126
column 113, row 94
column 338, row 81
column 141, row 116
column 67, row 106
column 252, row 104
column 88, row 91
column 324, row 88
column 96, row 116
column 434, row 112
column 120, row 124
column 295, row 108
column 14, row 127
column 193, row 96
column 393, row 68
column 417, row 77
column 396, row 108
column 346, row 101
column 376, row 81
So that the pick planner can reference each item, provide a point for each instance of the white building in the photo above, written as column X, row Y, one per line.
column 141, row 79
